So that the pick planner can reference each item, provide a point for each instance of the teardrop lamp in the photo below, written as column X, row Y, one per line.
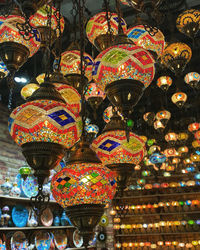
column 83, row 188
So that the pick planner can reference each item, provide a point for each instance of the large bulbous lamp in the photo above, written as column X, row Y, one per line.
column 44, row 127
column 14, row 49
column 188, row 22
column 123, row 71
column 70, row 68
column 83, row 188
column 116, row 152
column 176, row 56
column 98, row 32
column 154, row 43
column 40, row 21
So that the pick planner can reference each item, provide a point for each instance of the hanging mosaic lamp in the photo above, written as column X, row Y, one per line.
column 44, row 128
column 83, row 188
column 197, row 135
column 176, row 56
column 70, row 68
column 171, row 138
column 159, row 126
column 182, row 137
column 40, row 21
column 192, row 79
column 25, row 171
column 3, row 70
column 97, row 29
column 92, row 131
column 164, row 116
column 188, row 22
column 141, row 37
column 183, row 151
column 140, row 4
column 179, row 98
column 116, row 152
column 14, row 49
column 108, row 113
column 28, row 90
column 157, row 158
column 164, row 82
column 170, row 152
column 196, row 145
column 123, row 71
column 149, row 117
column 94, row 96
column 193, row 127
column 30, row 7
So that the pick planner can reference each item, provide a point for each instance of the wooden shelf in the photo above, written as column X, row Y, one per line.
column 35, row 228
column 152, row 234
column 158, row 214
column 10, row 198
column 155, row 195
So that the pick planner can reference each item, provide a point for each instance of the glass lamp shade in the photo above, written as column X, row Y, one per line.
column 44, row 121
column 83, row 183
column 3, row 70
column 112, row 148
column 183, row 151
column 40, row 20
column 176, row 56
column 94, row 91
column 159, row 126
column 98, row 32
column 197, row 135
column 192, row 79
column 163, row 116
column 157, row 158
column 108, row 113
column 25, row 171
column 179, row 99
column 40, row 78
column 28, row 90
column 123, row 71
column 171, row 138
column 188, row 22
column 14, row 49
column 196, row 144
column 70, row 67
column 182, row 137
column 193, row 127
column 142, row 38
column 92, row 128
column 164, row 82
column 149, row 117
column 170, row 152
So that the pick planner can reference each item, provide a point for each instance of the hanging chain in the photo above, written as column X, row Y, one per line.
column 74, row 12
column 120, row 30
column 108, row 15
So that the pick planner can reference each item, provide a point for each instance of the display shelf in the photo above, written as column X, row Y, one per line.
column 156, row 195
column 10, row 198
column 35, row 228
column 152, row 234
column 158, row 214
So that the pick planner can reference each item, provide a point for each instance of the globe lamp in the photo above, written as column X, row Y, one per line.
column 179, row 98
column 193, row 79
column 164, row 82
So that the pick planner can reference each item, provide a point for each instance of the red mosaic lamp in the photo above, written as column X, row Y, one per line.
column 44, row 127
column 97, row 29
column 123, row 71
column 154, row 43
column 14, row 49
column 164, row 82
column 40, row 21
column 164, row 116
column 83, row 188
column 116, row 152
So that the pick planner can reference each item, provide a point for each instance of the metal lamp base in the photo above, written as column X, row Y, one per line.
column 103, row 42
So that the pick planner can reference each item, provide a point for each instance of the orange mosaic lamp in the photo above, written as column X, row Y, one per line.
column 192, row 79
column 188, row 22
column 40, row 19
column 164, row 116
column 97, row 29
column 164, row 82
column 179, row 99
column 28, row 90
column 142, row 38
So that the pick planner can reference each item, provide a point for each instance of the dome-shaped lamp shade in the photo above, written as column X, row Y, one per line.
column 197, row 135
column 3, row 70
column 84, row 183
column 14, row 49
column 92, row 128
column 157, row 158
column 123, row 71
column 193, row 127
column 159, row 126
column 164, row 82
column 44, row 121
column 97, row 29
column 142, row 38
column 163, row 116
column 182, row 137
column 40, row 21
column 188, row 22
column 192, row 79
column 108, row 113
column 71, row 67
column 40, row 78
column 179, row 99
column 171, row 138
column 170, row 152
column 176, row 56
column 28, row 90
column 112, row 148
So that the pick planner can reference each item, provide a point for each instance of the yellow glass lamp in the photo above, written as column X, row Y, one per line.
column 28, row 90
column 179, row 99
column 164, row 82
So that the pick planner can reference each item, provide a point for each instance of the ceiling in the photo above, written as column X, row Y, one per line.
column 153, row 96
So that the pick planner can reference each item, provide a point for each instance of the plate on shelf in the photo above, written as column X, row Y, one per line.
column 30, row 186
column 60, row 239
column 77, row 239
column 19, row 216
column 43, row 240
column 46, row 217
column 19, row 241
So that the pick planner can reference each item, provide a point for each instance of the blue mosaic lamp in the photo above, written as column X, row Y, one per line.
column 3, row 70
column 157, row 158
